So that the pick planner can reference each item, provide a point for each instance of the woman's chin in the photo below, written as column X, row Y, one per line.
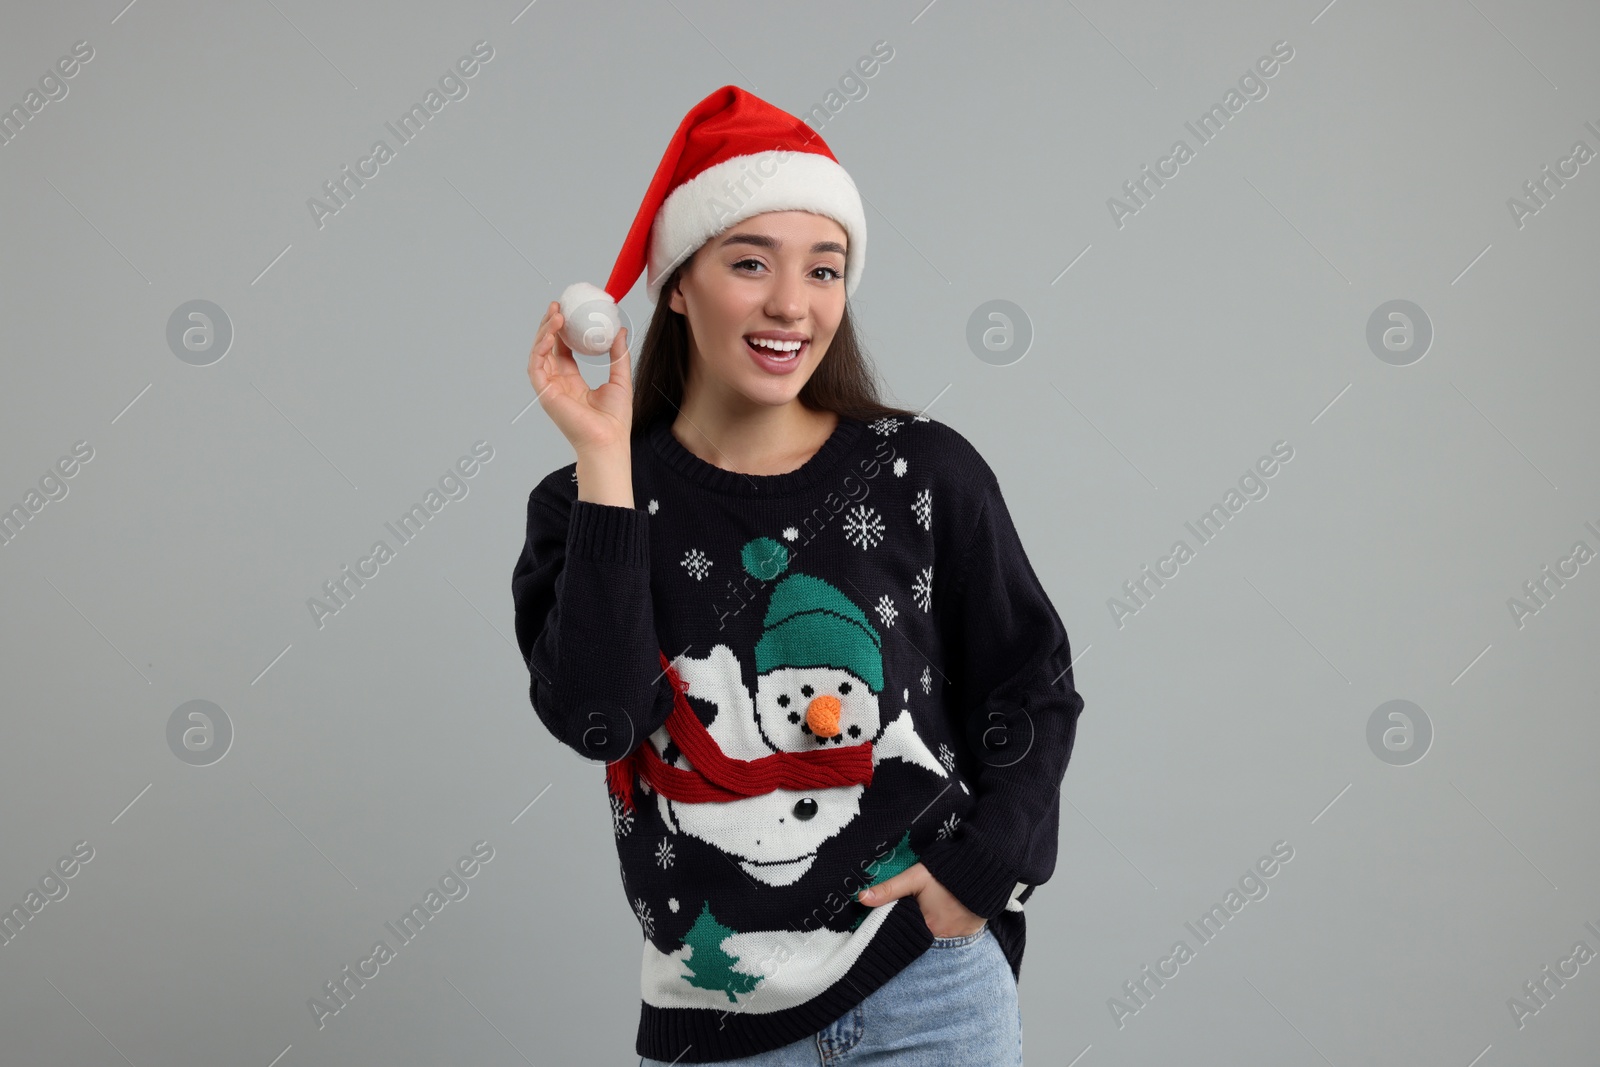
column 772, row 389
column 770, row 393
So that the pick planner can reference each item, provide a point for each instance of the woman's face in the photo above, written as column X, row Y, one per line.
column 778, row 276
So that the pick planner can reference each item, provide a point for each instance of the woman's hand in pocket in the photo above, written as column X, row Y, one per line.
column 945, row 915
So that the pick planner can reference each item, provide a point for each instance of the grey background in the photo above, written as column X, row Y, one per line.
column 368, row 355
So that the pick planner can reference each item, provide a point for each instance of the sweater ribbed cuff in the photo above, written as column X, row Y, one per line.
column 973, row 874
column 608, row 533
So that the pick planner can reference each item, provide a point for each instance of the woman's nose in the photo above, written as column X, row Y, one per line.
column 787, row 301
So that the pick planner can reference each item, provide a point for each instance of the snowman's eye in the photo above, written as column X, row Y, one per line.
column 844, row 687
column 783, row 700
column 806, row 690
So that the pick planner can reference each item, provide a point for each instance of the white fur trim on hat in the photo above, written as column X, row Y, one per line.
column 738, row 188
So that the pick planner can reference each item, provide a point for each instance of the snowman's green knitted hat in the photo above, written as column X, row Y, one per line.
column 809, row 622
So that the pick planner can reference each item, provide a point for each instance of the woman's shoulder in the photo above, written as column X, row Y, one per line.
column 943, row 451
column 948, row 481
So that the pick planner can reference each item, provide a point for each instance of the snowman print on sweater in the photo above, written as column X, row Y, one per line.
column 819, row 686
column 819, row 680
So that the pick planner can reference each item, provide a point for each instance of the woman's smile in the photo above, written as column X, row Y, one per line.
column 777, row 351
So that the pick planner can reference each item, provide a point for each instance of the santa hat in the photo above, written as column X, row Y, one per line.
column 733, row 156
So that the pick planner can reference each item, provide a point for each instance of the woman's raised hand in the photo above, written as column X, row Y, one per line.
column 595, row 421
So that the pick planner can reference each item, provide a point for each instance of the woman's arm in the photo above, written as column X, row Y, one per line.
column 1008, row 656
column 585, row 622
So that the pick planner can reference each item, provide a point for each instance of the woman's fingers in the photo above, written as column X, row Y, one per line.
column 543, row 360
column 550, row 352
column 536, row 367
column 621, row 363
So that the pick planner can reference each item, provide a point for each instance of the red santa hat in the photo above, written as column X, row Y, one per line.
column 733, row 156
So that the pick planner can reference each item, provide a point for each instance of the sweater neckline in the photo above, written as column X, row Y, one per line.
column 822, row 461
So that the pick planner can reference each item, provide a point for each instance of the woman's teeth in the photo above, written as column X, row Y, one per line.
column 781, row 351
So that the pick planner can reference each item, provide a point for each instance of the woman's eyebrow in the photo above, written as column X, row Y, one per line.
column 763, row 241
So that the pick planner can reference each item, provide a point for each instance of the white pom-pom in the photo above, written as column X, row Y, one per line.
column 592, row 319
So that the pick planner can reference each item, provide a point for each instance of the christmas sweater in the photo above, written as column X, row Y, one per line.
column 800, row 684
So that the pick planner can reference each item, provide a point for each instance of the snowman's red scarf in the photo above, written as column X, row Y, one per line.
column 717, row 776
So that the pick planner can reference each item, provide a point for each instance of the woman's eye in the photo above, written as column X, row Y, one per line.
column 835, row 275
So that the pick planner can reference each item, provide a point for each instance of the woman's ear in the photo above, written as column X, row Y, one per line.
column 674, row 286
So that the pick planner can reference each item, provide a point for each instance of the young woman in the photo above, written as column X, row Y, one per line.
column 800, row 630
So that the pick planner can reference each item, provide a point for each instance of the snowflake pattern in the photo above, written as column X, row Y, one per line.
column 900, row 466
column 697, row 563
column 664, row 855
column 886, row 610
column 621, row 818
column 947, row 757
column 655, row 505
column 921, row 418
column 922, row 508
column 927, row 680
column 863, row 528
column 790, row 533
column 922, row 588
column 642, row 911
column 672, row 904
column 886, row 425
column 950, row 823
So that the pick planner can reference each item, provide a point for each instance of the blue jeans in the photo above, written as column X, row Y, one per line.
column 956, row 1003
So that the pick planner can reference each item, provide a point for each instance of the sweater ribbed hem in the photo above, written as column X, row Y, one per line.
column 698, row 1035
column 963, row 864
column 608, row 533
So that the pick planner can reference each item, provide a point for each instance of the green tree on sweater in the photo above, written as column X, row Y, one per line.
column 711, row 967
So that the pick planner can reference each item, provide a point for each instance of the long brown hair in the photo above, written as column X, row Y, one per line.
column 845, row 382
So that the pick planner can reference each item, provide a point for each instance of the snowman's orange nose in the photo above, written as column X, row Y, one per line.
column 822, row 715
